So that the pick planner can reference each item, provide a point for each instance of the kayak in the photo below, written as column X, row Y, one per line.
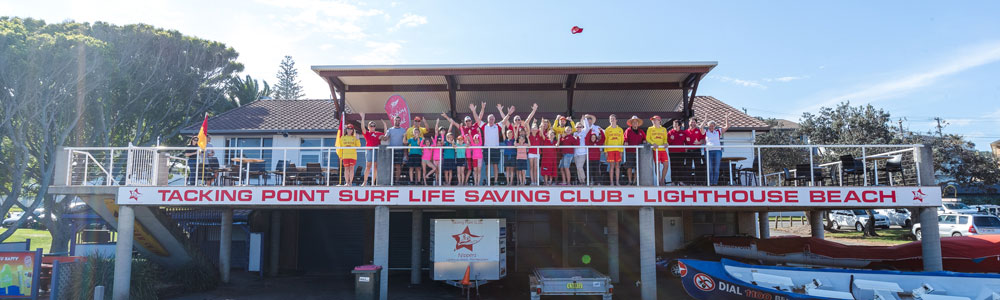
column 727, row 279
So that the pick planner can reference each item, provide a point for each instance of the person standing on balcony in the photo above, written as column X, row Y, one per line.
column 614, row 136
column 492, row 133
column 535, row 139
column 373, row 138
column 580, row 152
column 549, row 157
column 397, row 138
column 192, row 160
column 695, row 158
column 595, row 137
column 713, row 141
column 678, row 170
column 567, row 142
column 634, row 136
column 414, row 159
column 656, row 135
column 348, row 157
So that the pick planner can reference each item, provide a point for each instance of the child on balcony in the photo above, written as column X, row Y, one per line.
column 522, row 158
column 549, row 157
column 413, row 161
column 568, row 143
column 460, row 148
column 509, row 157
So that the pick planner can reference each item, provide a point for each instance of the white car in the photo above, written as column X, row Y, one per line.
column 962, row 224
column 856, row 218
column 898, row 216
column 988, row 209
column 956, row 208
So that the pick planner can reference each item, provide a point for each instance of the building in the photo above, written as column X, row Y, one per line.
column 323, row 227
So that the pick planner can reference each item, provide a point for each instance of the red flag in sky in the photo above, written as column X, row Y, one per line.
column 576, row 29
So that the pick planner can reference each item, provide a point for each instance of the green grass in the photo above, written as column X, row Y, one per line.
column 39, row 238
column 892, row 236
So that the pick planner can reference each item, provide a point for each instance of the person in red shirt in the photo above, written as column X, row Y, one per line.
column 535, row 138
column 595, row 137
column 373, row 138
column 695, row 157
column 675, row 137
column 567, row 143
column 549, row 158
column 634, row 136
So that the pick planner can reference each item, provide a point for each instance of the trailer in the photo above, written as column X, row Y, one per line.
column 569, row 281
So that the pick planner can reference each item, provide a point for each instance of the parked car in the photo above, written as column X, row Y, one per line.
column 956, row 208
column 898, row 216
column 31, row 222
column 962, row 224
column 988, row 209
column 857, row 218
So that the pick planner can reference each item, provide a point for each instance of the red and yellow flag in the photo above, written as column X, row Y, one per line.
column 203, row 134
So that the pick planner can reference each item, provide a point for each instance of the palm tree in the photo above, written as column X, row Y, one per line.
column 244, row 91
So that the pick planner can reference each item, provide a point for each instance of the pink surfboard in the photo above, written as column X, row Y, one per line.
column 396, row 106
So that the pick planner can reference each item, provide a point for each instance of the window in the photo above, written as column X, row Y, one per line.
column 949, row 219
column 249, row 153
column 319, row 156
column 714, row 223
column 986, row 221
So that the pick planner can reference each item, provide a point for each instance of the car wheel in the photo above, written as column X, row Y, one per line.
column 836, row 225
column 907, row 224
column 917, row 233
column 956, row 234
column 674, row 269
column 859, row 227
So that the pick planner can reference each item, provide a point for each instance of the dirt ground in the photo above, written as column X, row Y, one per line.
column 805, row 230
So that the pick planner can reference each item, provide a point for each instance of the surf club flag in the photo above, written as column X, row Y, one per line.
column 203, row 134
column 340, row 133
column 396, row 106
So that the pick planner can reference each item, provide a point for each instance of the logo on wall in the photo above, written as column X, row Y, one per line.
column 466, row 239
column 134, row 194
column 396, row 106
column 919, row 195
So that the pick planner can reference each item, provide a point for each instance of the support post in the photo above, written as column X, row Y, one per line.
column 763, row 224
column 381, row 248
column 416, row 231
column 123, row 253
column 225, row 243
column 647, row 252
column 646, row 165
column 565, row 238
column 613, row 270
column 930, row 239
column 384, row 160
column 816, row 222
column 275, row 244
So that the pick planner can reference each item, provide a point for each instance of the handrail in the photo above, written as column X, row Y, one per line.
column 98, row 163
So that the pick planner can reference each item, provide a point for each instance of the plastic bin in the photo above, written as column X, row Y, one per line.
column 366, row 282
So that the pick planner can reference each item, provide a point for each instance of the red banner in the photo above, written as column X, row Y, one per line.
column 843, row 197
column 396, row 106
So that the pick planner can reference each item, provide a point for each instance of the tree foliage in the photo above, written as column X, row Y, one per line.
column 244, row 91
column 288, row 87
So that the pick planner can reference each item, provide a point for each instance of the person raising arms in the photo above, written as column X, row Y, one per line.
column 614, row 136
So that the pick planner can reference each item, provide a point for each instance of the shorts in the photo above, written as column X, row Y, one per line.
column 662, row 156
column 492, row 156
column 630, row 158
column 413, row 161
column 532, row 155
column 347, row 162
column 566, row 161
column 472, row 162
column 460, row 162
column 508, row 160
column 397, row 156
column 370, row 156
column 448, row 164
column 614, row 156
column 522, row 164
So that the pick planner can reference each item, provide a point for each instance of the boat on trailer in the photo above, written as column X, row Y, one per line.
column 729, row 279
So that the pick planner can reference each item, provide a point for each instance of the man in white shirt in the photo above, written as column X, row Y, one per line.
column 491, row 137
column 580, row 153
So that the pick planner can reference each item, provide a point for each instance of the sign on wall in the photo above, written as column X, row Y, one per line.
column 18, row 274
column 477, row 244
column 846, row 197
column 396, row 106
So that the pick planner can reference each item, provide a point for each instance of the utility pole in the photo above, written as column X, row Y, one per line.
column 901, row 134
column 939, row 126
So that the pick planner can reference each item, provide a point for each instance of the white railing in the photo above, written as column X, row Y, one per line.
column 141, row 166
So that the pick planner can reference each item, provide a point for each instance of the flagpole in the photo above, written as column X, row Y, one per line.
column 203, row 167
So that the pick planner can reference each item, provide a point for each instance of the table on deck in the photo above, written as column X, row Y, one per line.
column 729, row 160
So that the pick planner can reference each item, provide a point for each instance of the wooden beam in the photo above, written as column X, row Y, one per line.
column 452, row 94
column 569, row 86
column 399, row 88
column 601, row 116
column 515, row 87
column 694, row 93
column 511, row 87
column 628, row 86
column 522, row 71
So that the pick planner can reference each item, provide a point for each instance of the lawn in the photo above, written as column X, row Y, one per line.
column 892, row 236
column 39, row 238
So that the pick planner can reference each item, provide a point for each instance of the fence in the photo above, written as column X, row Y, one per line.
column 842, row 165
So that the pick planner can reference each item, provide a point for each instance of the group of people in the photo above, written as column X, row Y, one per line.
column 544, row 151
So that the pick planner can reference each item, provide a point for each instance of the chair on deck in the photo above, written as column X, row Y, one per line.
column 851, row 167
column 258, row 171
column 313, row 175
column 894, row 165
column 788, row 178
column 234, row 175
column 750, row 172
column 802, row 174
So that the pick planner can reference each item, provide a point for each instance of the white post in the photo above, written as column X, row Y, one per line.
column 381, row 248
column 647, row 252
column 225, row 243
column 812, row 172
column 864, row 164
column 816, row 222
column 123, row 253
column 416, row 232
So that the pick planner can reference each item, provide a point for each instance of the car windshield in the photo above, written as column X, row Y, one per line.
column 986, row 221
column 956, row 206
column 860, row 212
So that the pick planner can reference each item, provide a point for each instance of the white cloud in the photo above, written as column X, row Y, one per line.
column 740, row 82
column 785, row 78
column 339, row 19
column 409, row 20
column 379, row 53
column 963, row 60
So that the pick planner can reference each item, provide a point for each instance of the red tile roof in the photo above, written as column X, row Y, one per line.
column 708, row 108
column 274, row 116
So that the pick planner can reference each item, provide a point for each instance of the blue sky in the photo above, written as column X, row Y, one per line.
column 918, row 60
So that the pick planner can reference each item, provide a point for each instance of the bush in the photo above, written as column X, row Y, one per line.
column 99, row 270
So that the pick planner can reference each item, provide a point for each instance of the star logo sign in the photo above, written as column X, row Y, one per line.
column 134, row 194
column 466, row 239
column 919, row 195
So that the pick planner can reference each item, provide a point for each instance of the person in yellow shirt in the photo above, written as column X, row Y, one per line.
column 561, row 123
column 614, row 136
column 418, row 122
column 348, row 157
column 656, row 135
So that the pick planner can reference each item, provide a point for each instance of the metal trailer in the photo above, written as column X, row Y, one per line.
column 569, row 281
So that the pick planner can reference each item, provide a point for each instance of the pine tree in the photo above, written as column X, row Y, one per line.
column 288, row 87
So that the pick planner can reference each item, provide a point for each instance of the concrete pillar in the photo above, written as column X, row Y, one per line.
column 816, row 222
column 62, row 168
column 275, row 243
column 763, row 225
column 123, row 253
column 381, row 247
column 225, row 243
column 384, row 160
column 647, row 252
column 646, row 166
column 565, row 238
column 613, row 270
column 925, row 159
column 416, row 232
column 930, row 239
